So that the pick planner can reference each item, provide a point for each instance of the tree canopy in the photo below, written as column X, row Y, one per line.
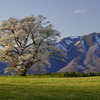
column 25, row 42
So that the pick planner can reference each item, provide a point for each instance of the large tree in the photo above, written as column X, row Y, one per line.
column 25, row 42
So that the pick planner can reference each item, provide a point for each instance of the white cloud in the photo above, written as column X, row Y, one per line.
column 78, row 11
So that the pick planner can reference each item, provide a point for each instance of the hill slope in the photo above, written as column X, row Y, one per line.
column 84, row 55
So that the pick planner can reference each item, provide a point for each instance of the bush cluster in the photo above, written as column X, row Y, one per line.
column 66, row 74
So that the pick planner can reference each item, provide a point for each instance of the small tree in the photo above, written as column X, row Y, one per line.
column 26, row 42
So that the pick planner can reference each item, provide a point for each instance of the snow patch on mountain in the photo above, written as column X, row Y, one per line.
column 96, row 46
column 68, row 42
column 97, row 39
column 77, row 43
column 61, row 47
column 82, row 42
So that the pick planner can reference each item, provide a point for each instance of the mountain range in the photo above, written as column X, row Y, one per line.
column 83, row 55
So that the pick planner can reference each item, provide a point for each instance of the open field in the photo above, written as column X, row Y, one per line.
column 28, row 88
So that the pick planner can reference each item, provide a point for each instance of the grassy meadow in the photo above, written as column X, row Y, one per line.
column 29, row 88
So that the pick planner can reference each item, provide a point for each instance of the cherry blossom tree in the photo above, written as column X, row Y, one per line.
column 25, row 42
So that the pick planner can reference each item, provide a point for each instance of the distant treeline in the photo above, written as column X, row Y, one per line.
column 66, row 74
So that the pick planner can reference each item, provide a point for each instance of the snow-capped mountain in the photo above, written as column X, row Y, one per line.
column 83, row 54
column 67, row 42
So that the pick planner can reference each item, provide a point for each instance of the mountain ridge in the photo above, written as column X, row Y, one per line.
column 82, row 55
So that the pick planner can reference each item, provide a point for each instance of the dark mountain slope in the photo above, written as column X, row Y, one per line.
column 84, row 55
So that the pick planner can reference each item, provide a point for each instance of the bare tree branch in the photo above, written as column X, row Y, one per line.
column 27, row 42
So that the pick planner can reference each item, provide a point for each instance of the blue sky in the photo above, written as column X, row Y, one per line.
column 70, row 17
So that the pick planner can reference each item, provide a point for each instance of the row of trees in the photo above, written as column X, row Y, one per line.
column 66, row 74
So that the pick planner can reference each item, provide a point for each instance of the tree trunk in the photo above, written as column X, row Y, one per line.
column 23, row 73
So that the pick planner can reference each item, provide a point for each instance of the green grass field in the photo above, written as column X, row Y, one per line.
column 28, row 88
